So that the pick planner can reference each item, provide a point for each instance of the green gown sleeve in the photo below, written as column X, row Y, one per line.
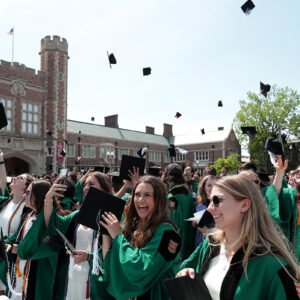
column 281, row 208
column 78, row 191
column 66, row 203
column 5, row 196
column 131, row 272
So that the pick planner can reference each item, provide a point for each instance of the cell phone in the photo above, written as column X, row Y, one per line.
column 63, row 172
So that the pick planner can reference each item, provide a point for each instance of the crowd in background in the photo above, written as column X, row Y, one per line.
column 243, row 237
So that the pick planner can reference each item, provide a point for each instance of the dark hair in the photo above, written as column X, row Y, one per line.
column 103, row 180
column 174, row 174
column 202, row 198
column 139, row 232
column 39, row 190
column 69, row 193
column 248, row 166
column 225, row 168
column 73, row 177
column 210, row 171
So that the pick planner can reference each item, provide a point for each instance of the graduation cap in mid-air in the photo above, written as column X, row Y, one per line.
column 249, row 130
column 63, row 152
column 146, row 71
column 202, row 131
column 48, row 132
column 220, row 104
column 171, row 151
column 142, row 152
column 182, row 151
column 111, row 58
column 274, row 145
column 247, row 7
column 264, row 89
column 93, row 119
column 178, row 115
column 3, row 120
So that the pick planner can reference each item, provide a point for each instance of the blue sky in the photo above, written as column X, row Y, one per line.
column 199, row 51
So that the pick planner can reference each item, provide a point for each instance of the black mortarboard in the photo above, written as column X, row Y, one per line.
column 171, row 150
column 293, row 146
column 249, row 130
column 68, row 245
column 202, row 131
column 154, row 172
column 186, row 288
column 8, row 140
column 111, row 58
column 142, row 152
column 247, row 7
column 178, row 115
column 95, row 204
column 92, row 118
column 264, row 89
column 146, row 71
column 203, row 218
column 220, row 104
column 48, row 132
column 264, row 177
column 98, row 169
column 76, row 162
column 63, row 152
column 127, row 164
column 3, row 120
column 49, row 167
column 273, row 145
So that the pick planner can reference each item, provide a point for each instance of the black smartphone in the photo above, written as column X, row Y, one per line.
column 63, row 172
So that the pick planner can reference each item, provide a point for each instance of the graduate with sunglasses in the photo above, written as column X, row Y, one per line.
column 244, row 257
column 145, row 252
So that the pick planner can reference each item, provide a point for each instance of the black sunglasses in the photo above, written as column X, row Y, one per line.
column 216, row 201
column 297, row 171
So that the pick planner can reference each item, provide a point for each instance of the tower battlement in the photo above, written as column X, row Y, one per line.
column 17, row 70
column 55, row 43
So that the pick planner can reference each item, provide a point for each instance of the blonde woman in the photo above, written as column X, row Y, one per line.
column 244, row 258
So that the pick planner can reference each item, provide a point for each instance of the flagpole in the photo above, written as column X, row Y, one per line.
column 13, row 42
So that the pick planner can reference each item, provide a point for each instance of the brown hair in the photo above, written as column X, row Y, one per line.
column 103, row 180
column 202, row 198
column 174, row 174
column 137, row 231
column 258, row 230
column 39, row 190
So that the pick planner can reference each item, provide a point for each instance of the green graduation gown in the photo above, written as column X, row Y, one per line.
column 266, row 277
column 283, row 209
column 181, row 207
column 132, row 272
column 42, row 267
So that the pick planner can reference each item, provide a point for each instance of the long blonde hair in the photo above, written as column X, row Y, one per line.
column 258, row 230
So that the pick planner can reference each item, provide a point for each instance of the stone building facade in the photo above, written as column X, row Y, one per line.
column 38, row 129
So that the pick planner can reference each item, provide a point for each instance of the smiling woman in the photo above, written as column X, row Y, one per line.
column 146, row 252
column 244, row 257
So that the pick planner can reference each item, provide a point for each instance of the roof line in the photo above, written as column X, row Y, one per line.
column 114, row 127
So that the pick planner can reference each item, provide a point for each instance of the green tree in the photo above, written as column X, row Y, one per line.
column 231, row 162
column 279, row 109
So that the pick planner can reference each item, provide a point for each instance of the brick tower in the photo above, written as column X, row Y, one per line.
column 54, row 62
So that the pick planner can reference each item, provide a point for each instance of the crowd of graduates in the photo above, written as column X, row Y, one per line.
column 240, row 233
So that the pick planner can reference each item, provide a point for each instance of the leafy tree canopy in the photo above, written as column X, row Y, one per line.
column 231, row 162
column 279, row 109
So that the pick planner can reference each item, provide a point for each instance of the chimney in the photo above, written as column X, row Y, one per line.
column 111, row 121
column 220, row 128
column 149, row 129
column 167, row 130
